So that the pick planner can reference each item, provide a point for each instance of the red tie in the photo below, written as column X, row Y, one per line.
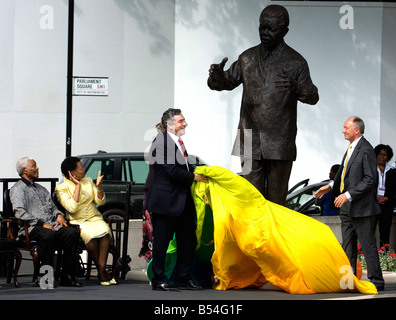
column 182, row 147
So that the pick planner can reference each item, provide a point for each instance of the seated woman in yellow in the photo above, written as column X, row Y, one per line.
column 79, row 196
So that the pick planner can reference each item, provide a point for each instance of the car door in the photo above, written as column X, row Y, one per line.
column 135, row 171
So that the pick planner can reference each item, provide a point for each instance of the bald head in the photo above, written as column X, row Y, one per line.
column 276, row 11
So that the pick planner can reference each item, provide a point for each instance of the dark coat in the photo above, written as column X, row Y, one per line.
column 170, row 181
column 360, row 181
column 390, row 192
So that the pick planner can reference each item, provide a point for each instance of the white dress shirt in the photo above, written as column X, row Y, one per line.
column 175, row 138
column 353, row 146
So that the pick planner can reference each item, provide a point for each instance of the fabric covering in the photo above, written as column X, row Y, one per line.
column 257, row 241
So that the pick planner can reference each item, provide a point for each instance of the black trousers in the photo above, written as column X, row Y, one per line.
column 270, row 177
column 384, row 224
column 362, row 229
column 65, row 239
column 164, row 228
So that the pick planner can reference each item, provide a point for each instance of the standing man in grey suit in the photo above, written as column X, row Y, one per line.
column 354, row 192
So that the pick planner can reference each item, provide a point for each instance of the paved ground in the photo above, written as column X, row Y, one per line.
column 136, row 287
column 136, row 294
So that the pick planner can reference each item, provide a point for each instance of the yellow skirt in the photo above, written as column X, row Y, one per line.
column 258, row 241
column 94, row 228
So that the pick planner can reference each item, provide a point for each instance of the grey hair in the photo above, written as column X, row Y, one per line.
column 168, row 117
column 22, row 164
column 358, row 123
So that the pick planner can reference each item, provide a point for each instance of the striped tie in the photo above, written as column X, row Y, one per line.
column 343, row 171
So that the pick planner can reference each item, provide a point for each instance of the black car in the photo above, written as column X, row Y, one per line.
column 119, row 168
column 301, row 198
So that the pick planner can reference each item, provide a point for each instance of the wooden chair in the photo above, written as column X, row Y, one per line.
column 114, row 251
column 24, row 242
column 9, row 247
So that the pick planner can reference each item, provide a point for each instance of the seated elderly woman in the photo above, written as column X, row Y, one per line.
column 79, row 195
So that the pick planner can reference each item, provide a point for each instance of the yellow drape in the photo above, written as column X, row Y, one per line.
column 258, row 241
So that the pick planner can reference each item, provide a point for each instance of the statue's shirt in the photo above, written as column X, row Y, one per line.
column 268, row 115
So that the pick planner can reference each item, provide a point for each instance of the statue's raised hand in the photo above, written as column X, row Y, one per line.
column 216, row 71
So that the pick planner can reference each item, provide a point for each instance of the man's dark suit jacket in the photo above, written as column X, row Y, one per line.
column 171, row 181
column 360, row 181
column 390, row 192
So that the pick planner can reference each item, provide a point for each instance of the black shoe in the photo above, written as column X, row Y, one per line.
column 380, row 287
column 68, row 281
column 188, row 285
column 164, row 287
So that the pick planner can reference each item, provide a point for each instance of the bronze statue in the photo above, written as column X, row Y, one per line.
column 274, row 78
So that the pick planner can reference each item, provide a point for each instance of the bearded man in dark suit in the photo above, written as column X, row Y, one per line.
column 354, row 192
column 170, row 203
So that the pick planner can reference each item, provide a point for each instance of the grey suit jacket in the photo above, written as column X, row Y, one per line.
column 360, row 181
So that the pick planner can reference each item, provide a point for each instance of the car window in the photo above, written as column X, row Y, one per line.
column 299, row 198
column 106, row 166
column 136, row 169
column 126, row 174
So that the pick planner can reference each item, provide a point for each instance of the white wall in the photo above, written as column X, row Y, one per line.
column 131, row 42
column 388, row 79
column 32, row 85
column 346, row 66
column 157, row 54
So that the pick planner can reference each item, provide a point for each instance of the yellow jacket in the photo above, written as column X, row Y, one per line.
column 85, row 209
